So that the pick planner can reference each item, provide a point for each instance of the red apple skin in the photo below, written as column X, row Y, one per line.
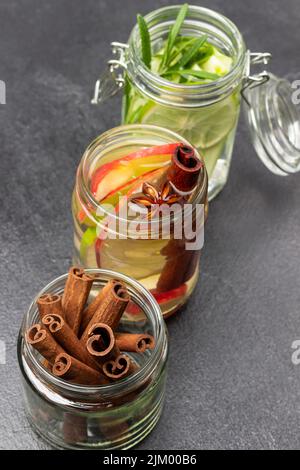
column 102, row 171
column 161, row 298
column 164, row 297
column 81, row 215
column 155, row 150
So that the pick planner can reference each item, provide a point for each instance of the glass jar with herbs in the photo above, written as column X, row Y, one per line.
column 186, row 68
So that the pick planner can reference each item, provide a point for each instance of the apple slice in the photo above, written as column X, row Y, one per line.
column 109, row 181
column 137, row 184
column 111, row 198
column 164, row 297
column 148, row 152
column 126, row 190
column 82, row 216
column 113, row 175
column 160, row 297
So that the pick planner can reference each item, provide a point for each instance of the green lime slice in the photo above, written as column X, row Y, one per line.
column 217, row 63
column 211, row 156
column 203, row 127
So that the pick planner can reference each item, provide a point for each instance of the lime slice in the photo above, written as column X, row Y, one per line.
column 202, row 127
column 211, row 156
column 217, row 63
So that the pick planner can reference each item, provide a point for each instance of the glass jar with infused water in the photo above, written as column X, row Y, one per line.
column 139, row 207
column 191, row 80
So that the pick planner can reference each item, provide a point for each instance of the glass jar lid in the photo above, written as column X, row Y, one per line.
column 273, row 115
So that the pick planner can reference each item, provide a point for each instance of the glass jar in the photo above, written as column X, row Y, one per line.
column 114, row 416
column 169, row 268
column 207, row 115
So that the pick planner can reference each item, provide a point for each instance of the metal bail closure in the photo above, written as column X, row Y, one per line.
column 273, row 116
column 112, row 79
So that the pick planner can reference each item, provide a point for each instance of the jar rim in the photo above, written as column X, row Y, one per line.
column 118, row 132
column 119, row 386
column 221, row 85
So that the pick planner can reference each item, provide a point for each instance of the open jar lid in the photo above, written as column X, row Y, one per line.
column 272, row 111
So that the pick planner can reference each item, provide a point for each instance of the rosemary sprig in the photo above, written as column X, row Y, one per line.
column 192, row 51
column 176, row 57
column 204, row 53
column 174, row 31
column 176, row 54
column 145, row 41
column 202, row 74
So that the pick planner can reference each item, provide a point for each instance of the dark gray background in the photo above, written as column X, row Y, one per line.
column 231, row 380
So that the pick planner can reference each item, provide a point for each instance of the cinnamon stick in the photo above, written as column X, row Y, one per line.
column 49, row 303
column 132, row 395
column 47, row 364
column 101, row 343
column 134, row 342
column 120, row 367
column 112, row 429
column 74, row 428
column 111, row 308
column 183, row 175
column 43, row 342
column 66, row 337
column 184, row 170
column 91, row 309
column 179, row 267
column 75, row 295
column 68, row 368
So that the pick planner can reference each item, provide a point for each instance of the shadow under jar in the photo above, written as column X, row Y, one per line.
column 166, row 266
column 114, row 416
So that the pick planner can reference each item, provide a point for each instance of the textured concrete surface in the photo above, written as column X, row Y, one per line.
column 231, row 380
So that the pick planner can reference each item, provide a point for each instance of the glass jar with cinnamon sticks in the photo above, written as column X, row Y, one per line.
column 139, row 206
column 91, row 379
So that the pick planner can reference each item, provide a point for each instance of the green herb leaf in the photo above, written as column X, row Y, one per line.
column 178, row 50
column 145, row 40
column 194, row 73
column 192, row 51
column 204, row 53
column 174, row 31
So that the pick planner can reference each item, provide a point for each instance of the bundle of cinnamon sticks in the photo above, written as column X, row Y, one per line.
column 78, row 340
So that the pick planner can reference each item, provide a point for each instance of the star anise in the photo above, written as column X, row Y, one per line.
column 151, row 198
